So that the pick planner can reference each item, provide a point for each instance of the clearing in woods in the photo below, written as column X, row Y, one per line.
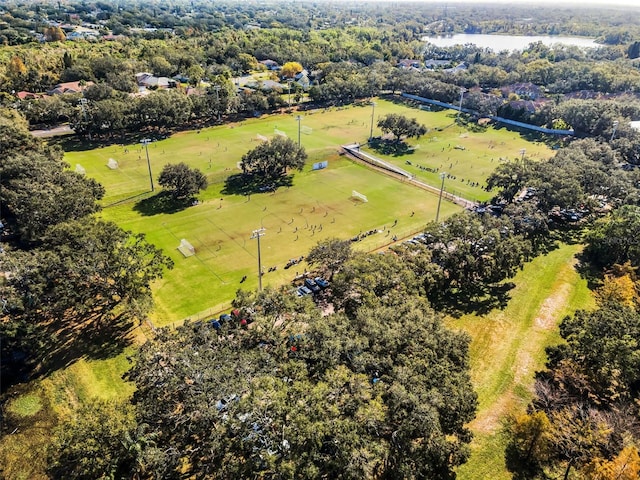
column 508, row 347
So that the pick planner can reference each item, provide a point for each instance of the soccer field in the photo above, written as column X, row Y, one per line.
column 318, row 205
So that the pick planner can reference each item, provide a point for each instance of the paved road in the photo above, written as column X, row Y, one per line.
column 53, row 132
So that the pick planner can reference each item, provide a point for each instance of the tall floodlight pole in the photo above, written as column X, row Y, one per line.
column 299, row 120
column 217, row 89
column 373, row 111
column 613, row 134
column 460, row 106
column 257, row 234
column 146, row 142
column 442, row 176
column 83, row 104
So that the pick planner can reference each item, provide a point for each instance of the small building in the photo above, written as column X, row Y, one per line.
column 24, row 95
column 407, row 63
column 267, row 85
column 433, row 64
column 527, row 90
column 270, row 64
column 461, row 67
column 147, row 80
column 69, row 88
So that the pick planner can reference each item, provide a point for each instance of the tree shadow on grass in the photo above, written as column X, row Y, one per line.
column 163, row 202
column 98, row 338
column 460, row 303
column 243, row 184
column 387, row 147
column 62, row 341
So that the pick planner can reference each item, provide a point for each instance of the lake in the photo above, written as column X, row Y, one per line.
column 498, row 43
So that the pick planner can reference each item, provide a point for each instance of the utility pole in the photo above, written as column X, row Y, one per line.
column 299, row 120
column 83, row 104
column 373, row 111
column 146, row 142
column 522, row 152
column 460, row 107
column 442, row 176
column 257, row 234
column 613, row 134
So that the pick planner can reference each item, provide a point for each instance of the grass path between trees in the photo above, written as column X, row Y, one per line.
column 508, row 347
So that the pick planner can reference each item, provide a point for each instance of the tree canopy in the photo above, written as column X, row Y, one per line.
column 182, row 181
column 383, row 395
column 400, row 126
column 272, row 159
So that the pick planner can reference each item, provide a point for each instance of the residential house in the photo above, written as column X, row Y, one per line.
column 23, row 95
column 433, row 64
column 302, row 79
column 527, row 90
column 585, row 95
column 147, row 80
column 69, row 88
column 408, row 63
column 458, row 68
column 267, row 85
column 524, row 105
column 270, row 64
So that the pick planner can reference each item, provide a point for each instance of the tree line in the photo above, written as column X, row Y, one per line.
column 68, row 277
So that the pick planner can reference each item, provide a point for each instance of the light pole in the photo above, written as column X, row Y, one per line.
column 146, row 142
column 299, row 120
column 522, row 152
column 257, row 234
column 373, row 111
column 217, row 89
column 442, row 176
column 83, row 104
column 613, row 134
column 460, row 106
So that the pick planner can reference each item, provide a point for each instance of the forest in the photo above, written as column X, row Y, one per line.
column 370, row 382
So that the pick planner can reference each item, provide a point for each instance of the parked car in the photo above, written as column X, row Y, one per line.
column 321, row 282
column 304, row 290
column 311, row 285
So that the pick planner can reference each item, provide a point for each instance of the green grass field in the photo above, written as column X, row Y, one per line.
column 507, row 349
column 217, row 150
column 39, row 405
column 317, row 206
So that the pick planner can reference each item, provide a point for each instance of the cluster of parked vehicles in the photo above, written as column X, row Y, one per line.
column 312, row 286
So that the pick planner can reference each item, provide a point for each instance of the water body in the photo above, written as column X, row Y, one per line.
column 498, row 43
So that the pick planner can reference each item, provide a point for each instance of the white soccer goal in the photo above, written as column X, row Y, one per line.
column 279, row 132
column 186, row 248
column 112, row 164
column 80, row 169
column 262, row 138
column 359, row 196
column 306, row 130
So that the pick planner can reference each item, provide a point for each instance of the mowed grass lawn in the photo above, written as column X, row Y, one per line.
column 37, row 407
column 508, row 347
column 317, row 206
